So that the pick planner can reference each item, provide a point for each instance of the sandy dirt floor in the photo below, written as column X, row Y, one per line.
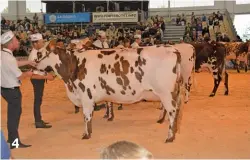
column 216, row 127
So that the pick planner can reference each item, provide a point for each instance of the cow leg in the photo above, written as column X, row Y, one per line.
column 217, row 80
column 88, row 114
column 77, row 109
column 111, row 111
column 120, row 107
column 171, row 104
column 162, row 114
column 226, row 84
column 107, row 110
column 245, row 67
column 237, row 65
column 188, row 84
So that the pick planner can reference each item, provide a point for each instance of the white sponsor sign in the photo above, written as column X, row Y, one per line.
column 131, row 16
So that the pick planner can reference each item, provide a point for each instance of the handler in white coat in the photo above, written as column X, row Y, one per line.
column 101, row 41
column 137, row 41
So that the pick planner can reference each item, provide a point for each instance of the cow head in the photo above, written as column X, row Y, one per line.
column 62, row 61
column 208, row 55
column 244, row 47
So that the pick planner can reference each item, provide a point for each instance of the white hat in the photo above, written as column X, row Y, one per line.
column 102, row 34
column 137, row 36
column 6, row 37
column 36, row 37
column 75, row 41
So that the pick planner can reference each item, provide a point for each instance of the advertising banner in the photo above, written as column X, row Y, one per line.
column 100, row 17
column 66, row 17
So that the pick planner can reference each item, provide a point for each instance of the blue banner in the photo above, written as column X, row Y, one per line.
column 66, row 17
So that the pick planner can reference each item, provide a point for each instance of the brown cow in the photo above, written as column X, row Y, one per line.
column 237, row 51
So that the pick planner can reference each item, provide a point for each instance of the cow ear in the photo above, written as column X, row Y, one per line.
column 51, row 46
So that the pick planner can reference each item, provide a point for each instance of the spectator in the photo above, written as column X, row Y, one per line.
column 216, row 25
column 187, row 38
column 91, row 29
column 199, row 29
column 219, row 37
column 204, row 31
column 125, row 150
column 194, row 34
column 103, row 27
column 35, row 19
column 188, row 29
column 238, row 39
column 204, row 18
column 112, row 27
column 127, row 43
column 200, row 38
column 206, row 38
column 220, row 16
column 162, row 24
column 178, row 20
column 225, row 38
column 183, row 19
column 210, row 20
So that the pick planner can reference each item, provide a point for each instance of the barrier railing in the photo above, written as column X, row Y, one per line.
column 230, row 22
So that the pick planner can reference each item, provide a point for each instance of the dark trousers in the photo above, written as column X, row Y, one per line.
column 38, row 86
column 14, row 100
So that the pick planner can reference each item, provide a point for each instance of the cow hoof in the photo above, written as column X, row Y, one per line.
column 169, row 140
column 160, row 121
column 212, row 95
column 186, row 102
column 105, row 116
column 86, row 136
column 226, row 94
column 111, row 119
column 76, row 111
column 120, row 108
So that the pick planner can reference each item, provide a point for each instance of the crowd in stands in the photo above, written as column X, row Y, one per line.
column 200, row 28
column 150, row 31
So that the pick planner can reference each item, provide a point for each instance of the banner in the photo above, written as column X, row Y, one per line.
column 66, row 17
column 99, row 17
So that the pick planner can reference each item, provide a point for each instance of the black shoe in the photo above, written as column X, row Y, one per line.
column 44, row 122
column 41, row 124
column 21, row 145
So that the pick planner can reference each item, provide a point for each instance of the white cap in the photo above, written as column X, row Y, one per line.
column 6, row 37
column 102, row 34
column 137, row 36
column 36, row 37
column 75, row 41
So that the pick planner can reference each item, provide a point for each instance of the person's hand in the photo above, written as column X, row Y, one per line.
column 32, row 63
column 50, row 77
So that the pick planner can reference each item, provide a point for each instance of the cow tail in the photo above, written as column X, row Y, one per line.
column 178, row 72
column 193, row 79
column 223, row 70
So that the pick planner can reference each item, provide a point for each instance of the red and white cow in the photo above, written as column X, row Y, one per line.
column 187, row 52
column 120, row 76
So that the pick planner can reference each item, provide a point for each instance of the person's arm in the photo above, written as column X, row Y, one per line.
column 24, row 75
column 24, row 63
column 49, row 76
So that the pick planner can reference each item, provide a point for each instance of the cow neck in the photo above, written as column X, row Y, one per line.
column 67, row 68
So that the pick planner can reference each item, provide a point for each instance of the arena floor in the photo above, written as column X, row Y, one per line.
column 216, row 127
